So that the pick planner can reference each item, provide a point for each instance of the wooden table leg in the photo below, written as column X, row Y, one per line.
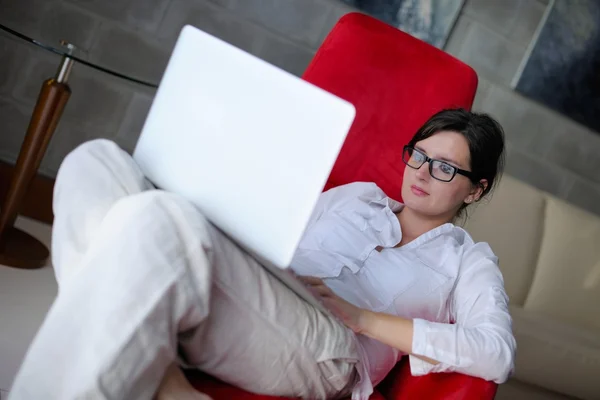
column 17, row 248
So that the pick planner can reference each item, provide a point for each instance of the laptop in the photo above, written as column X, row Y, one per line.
column 248, row 143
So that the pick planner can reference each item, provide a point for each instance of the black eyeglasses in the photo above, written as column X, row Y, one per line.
column 440, row 170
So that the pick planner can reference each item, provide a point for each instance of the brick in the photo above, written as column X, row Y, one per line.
column 491, row 55
column 458, row 35
column 139, row 14
column 576, row 148
column 97, row 100
column 528, row 126
column 214, row 20
column 24, row 15
column 146, row 14
column 15, row 120
column 114, row 10
column 515, row 20
column 535, row 171
column 67, row 137
column 483, row 90
column 49, row 21
column 132, row 124
column 130, row 53
column 286, row 55
column 38, row 66
column 338, row 10
column 222, row 3
column 543, row 134
column 67, row 23
column 500, row 15
column 14, row 56
column 299, row 20
column 585, row 195
column 528, row 19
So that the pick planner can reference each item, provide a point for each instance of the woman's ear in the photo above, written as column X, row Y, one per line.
column 477, row 191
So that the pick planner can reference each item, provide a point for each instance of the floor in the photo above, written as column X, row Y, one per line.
column 25, row 297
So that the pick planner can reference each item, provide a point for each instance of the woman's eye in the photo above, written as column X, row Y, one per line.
column 447, row 169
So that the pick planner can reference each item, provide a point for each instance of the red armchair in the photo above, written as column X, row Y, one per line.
column 396, row 83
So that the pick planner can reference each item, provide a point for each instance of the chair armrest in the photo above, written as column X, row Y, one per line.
column 401, row 385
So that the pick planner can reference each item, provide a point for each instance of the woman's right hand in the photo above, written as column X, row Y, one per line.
column 353, row 317
column 175, row 386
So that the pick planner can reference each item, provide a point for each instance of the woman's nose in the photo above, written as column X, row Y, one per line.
column 423, row 172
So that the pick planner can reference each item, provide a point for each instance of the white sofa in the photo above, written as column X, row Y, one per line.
column 549, row 254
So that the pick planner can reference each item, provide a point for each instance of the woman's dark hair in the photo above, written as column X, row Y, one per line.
column 484, row 135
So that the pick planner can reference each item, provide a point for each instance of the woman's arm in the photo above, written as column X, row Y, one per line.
column 394, row 331
column 480, row 343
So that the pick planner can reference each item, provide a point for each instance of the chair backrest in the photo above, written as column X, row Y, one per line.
column 396, row 82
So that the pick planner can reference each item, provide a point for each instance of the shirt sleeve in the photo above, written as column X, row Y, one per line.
column 480, row 343
column 340, row 195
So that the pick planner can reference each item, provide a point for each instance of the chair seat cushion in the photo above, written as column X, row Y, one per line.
column 220, row 390
column 401, row 385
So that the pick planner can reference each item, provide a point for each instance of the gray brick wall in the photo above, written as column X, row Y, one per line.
column 135, row 37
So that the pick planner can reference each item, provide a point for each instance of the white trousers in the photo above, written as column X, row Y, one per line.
column 145, row 280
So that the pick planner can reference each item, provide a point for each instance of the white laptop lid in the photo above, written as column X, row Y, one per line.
column 250, row 144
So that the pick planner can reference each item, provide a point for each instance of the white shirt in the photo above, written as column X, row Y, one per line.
column 450, row 286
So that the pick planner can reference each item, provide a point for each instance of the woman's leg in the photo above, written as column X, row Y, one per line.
column 261, row 336
column 90, row 180
column 133, row 272
column 143, row 277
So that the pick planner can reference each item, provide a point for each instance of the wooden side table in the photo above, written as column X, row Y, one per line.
column 17, row 248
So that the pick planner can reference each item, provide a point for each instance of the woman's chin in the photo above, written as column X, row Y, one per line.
column 415, row 203
column 419, row 205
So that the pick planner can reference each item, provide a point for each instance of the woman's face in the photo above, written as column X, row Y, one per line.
column 431, row 197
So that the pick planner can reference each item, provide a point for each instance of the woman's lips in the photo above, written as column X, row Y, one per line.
column 418, row 191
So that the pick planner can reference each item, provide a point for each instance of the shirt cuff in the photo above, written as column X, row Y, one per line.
column 421, row 347
column 419, row 367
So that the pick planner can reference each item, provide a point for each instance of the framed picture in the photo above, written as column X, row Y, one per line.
column 563, row 67
column 428, row 20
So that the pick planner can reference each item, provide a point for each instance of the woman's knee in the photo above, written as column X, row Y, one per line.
column 156, row 214
column 159, row 233
column 90, row 151
column 98, row 168
column 85, row 161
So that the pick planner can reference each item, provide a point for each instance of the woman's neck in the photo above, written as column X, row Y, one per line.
column 414, row 224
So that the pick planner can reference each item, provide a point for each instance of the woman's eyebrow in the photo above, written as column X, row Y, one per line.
column 440, row 158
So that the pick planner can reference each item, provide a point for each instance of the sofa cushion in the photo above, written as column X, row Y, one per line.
column 556, row 355
column 515, row 389
column 566, row 284
column 512, row 223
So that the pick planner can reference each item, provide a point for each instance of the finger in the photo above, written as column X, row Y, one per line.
column 311, row 280
column 334, row 306
column 175, row 386
column 322, row 290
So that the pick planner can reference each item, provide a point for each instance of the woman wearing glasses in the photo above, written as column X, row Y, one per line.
column 145, row 280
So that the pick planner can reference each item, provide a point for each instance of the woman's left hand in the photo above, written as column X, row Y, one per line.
column 353, row 317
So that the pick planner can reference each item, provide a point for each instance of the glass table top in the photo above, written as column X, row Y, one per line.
column 67, row 51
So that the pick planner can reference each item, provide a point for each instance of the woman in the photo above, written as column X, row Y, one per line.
column 145, row 280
